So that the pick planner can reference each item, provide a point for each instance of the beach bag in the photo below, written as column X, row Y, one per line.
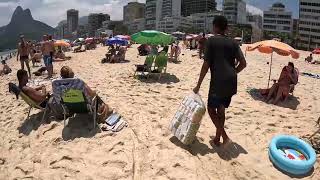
column 186, row 122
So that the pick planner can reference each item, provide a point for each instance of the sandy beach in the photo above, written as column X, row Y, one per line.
column 146, row 149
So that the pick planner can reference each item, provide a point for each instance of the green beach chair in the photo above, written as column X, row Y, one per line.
column 146, row 67
column 70, row 93
column 160, row 64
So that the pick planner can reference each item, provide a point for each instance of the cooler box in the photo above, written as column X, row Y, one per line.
column 186, row 122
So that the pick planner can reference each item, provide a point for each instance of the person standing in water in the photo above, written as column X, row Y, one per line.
column 23, row 53
column 225, row 59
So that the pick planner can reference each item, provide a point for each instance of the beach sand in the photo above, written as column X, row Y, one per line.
column 146, row 149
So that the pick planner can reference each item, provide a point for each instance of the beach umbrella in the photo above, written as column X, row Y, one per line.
column 89, row 40
column 61, row 43
column 271, row 46
column 152, row 38
column 116, row 40
column 316, row 51
column 125, row 37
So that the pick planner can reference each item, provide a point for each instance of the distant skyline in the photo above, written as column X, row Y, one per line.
column 53, row 11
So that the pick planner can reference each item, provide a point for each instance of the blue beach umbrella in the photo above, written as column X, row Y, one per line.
column 115, row 40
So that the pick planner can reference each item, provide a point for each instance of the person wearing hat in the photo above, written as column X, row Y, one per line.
column 23, row 54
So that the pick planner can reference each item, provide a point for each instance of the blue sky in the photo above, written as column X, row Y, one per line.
column 53, row 11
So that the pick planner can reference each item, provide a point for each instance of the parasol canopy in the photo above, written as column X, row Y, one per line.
column 152, row 38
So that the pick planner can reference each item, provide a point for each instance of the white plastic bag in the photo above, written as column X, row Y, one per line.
column 186, row 121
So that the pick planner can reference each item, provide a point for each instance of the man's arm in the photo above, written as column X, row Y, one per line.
column 241, row 61
column 35, row 95
column 90, row 92
column 204, row 70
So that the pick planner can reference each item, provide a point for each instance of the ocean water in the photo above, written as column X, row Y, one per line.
column 6, row 53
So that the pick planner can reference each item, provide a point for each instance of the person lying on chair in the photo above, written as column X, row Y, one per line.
column 38, row 95
column 104, row 111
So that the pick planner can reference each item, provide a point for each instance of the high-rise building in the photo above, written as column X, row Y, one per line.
column 152, row 14
column 72, row 20
column 170, row 8
column 61, row 29
column 256, row 21
column 172, row 24
column 132, row 11
column 95, row 22
column 202, row 22
column 277, row 19
column 309, row 24
column 235, row 11
column 197, row 6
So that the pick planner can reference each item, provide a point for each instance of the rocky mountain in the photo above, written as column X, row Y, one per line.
column 22, row 22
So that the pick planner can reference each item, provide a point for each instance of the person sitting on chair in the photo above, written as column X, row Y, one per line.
column 282, row 88
column 104, row 111
column 38, row 94
column 111, row 52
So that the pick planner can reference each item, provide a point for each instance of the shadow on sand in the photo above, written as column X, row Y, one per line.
column 292, row 176
column 227, row 153
column 79, row 126
column 291, row 103
column 154, row 78
column 34, row 122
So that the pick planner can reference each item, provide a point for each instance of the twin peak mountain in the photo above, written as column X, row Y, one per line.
column 22, row 22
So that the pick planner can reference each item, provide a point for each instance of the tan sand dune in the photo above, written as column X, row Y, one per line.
column 146, row 149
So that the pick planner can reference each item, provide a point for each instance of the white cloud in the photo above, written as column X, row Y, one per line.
column 53, row 11
column 254, row 10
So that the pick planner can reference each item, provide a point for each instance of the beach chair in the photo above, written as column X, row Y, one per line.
column 17, row 91
column 160, row 64
column 72, row 96
column 292, row 86
column 146, row 67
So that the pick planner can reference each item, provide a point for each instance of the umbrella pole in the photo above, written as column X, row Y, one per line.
column 270, row 70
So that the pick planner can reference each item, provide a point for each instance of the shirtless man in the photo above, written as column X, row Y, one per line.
column 47, row 49
column 23, row 53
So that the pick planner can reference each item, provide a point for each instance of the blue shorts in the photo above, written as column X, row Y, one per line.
column 47, row 60
column 216, row 102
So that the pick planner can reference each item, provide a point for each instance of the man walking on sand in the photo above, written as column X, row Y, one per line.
column 23, row 53
column 225, row 59
column 47, row 49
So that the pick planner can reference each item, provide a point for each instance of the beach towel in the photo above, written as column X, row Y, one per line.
column 186, row 122
column 312, row 75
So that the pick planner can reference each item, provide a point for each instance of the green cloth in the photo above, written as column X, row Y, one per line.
column 152, row 38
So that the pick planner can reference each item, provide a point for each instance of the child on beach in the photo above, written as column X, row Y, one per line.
column 225, row 59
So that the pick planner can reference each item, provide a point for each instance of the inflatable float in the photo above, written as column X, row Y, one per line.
column 292, row 154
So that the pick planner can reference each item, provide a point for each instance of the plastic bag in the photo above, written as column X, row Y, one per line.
column 186, row 121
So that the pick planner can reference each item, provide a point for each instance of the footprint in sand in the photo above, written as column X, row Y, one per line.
column 116, row 163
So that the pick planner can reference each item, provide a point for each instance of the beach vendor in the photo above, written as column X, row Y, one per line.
column 225, row 60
